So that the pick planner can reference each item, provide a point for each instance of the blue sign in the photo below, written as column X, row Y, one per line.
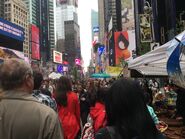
column 95, row 29
column 60, row 68
column 101, row 49
column 11, row 30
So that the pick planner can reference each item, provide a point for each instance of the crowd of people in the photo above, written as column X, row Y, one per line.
column 34, row 108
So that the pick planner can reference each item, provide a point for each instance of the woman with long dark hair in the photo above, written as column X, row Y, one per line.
column 127, row 114
column 68, row 108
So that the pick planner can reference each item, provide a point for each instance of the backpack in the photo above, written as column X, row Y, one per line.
column 88, row 130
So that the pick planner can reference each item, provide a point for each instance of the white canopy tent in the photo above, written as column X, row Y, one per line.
column 154, row 63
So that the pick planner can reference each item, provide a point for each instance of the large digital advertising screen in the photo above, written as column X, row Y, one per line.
column 11, row 30
column 35, row 51
column 34, row 34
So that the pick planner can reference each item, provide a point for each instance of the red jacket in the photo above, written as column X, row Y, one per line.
column 70, row 116
column 98, row 115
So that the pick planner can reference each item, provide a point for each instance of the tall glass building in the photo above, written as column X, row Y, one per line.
column 41, row 14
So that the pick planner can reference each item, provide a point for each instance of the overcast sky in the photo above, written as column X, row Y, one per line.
column 84, row 16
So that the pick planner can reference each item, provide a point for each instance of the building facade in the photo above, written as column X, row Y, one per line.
column 68, row 33
column 1, row 8
column 16, row 12
column 72, row 42
column 41, row 14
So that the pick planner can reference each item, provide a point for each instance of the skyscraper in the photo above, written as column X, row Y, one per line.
column 41, row 14
column 68, row 34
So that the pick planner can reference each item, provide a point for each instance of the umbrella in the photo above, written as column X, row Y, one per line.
column 100, row 75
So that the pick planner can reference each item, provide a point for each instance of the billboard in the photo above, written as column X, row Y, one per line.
column 11, row 30
column 10, row 53
column 124, row 46
column 35, row 43
column 57, row 57
column 127, row 15
column 35, row 34
column 35, row 51
column 145, row 28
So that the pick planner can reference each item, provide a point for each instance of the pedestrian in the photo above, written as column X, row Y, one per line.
column 68, row 108
column 127, row 114
column 41, row 94
column 97, row 109
column 21, row 115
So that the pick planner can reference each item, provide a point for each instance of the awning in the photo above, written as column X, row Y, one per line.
column 154, row 63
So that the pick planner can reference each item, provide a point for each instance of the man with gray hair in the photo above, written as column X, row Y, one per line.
column 21, row 115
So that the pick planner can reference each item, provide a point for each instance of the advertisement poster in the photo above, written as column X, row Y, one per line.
column 124, row 46
column 127, row 14
column 145, row 28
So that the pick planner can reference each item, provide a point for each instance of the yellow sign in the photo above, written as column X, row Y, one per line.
column 114, row 71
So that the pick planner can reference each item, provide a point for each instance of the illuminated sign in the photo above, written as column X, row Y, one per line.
column 60, row 68
column 35, row 46
column 57, row 57
column 11, row 30
column 77, row 61
column 34, row 34
column 35, row 51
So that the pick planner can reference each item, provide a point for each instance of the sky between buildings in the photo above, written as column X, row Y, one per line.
column 84, row 16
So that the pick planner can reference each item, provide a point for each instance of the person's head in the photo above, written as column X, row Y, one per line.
column 38, row 78
column 126, row 110
column 147, row 97
column 62, row 88
column 16, row 74
column 122, row 42
column 101, row 93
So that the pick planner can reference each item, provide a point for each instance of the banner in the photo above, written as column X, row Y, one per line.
column 127, row 14
column 145, row 28
column 125, row 46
